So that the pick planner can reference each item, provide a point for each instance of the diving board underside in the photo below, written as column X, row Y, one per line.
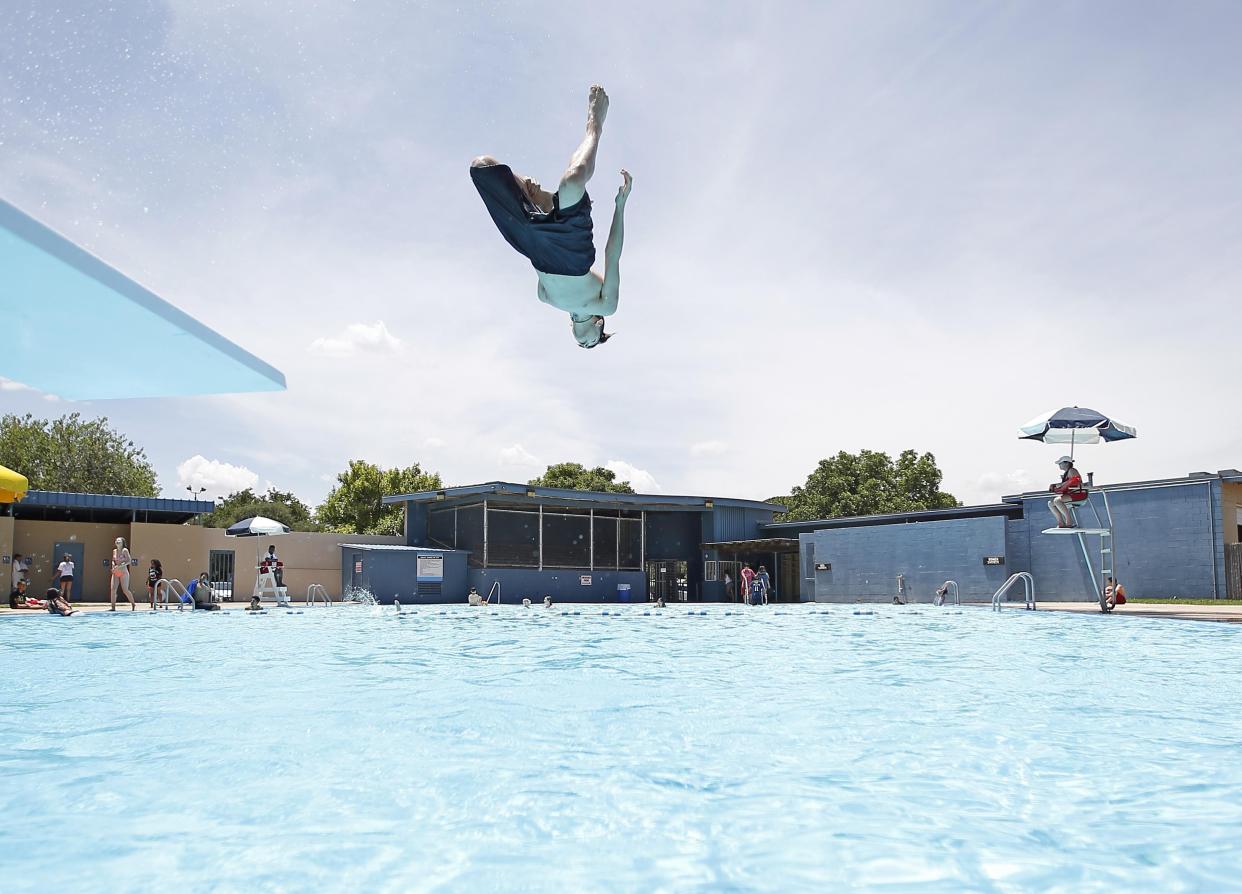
column 79, row 329
column 1075, row 531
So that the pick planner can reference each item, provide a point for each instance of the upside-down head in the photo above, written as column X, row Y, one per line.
column 589, row 332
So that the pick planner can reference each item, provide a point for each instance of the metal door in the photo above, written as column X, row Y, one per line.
column 668, row 579
column 78, row 552
column 221, row 571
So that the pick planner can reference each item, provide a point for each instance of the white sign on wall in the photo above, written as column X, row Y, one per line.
column 430, row 568
column 585, row 580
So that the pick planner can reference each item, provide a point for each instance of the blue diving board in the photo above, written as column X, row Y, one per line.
column 59, row 303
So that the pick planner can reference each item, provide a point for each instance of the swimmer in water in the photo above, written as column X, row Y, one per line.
column 547, row 601
column 554, row 229
column 525, row 602
column 254, row 605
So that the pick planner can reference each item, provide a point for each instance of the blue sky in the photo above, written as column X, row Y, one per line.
column 853, row 225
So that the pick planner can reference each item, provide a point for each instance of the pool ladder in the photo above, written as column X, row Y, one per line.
column 950, row 587
column 495, row 589
column 1028, row 585
column 164, row 586
column 315, row 592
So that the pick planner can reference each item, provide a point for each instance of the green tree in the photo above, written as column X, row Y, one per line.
column 575, row 476
column 284, row 507
column 75, row 455
column 356, row 504
column 868, row 483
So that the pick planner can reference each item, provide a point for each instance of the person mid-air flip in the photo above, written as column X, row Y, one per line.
column 554, row 229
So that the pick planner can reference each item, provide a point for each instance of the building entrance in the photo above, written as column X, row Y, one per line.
column 668, row 579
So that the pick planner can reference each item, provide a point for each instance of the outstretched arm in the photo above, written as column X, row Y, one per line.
column 612, row 251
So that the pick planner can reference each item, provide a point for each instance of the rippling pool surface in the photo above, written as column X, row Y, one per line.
column 802, row 748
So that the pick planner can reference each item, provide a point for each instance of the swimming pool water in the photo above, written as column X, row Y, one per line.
column 800, row 748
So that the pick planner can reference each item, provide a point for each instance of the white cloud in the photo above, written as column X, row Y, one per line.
column 1001, row 484
column 220, row 479
column 640, row 479
column 517, row 455
column 373, row 338
column 708, row 448
column 433, row 442
column 10, row 385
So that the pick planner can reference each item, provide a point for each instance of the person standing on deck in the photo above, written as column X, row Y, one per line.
column 554, row 230
column 766, row 582
column 747, row 575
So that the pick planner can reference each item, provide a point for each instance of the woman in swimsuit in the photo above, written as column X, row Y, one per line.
column 120, row 574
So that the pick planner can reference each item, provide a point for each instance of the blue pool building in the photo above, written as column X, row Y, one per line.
column 1174, row 537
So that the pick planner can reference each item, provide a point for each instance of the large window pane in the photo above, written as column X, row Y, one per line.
column 470, row 532
column 512, row 538
column 440, row 527
column 605, row 542
column 566, row 541
column 631, row 544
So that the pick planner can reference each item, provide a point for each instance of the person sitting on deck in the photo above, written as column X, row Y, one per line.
column 19, row 599
column 199, row 594
column 58, row 604
column 1068, row 493
column 1114, row 595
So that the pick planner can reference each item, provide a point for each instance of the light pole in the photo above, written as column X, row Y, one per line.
column 195, row 492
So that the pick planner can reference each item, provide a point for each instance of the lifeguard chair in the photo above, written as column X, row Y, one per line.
column 1103, row 529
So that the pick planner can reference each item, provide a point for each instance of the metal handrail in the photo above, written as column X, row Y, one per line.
column 314, row 592
column 165, row 586
column 495, row 589
column 1028, row 583
column 951, row 586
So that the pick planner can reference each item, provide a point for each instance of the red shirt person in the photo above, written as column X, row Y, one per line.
column 1068, row 493
column 747, row 575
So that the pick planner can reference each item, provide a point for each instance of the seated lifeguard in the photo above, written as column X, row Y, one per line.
column 272, row 564
column 1068, row 493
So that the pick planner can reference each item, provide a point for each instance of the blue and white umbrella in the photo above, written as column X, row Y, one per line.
column 1075, row 425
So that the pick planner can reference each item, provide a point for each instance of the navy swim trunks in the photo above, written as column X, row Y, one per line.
column 559, row 241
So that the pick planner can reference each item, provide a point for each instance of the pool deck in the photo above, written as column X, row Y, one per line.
column 1229, row 614
column 92, row 607
column 1221, row 613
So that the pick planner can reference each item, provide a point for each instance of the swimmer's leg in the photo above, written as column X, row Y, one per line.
column 582, row 164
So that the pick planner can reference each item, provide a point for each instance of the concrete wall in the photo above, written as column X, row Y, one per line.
column 308, row 557
column 6, row 549
column 388, row 574
column 1231, row 510
column 866, row 560
column 562, row 585
column 1168, row 542
column 38, row 539
column 182, row 550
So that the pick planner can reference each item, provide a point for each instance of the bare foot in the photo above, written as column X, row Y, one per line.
column 597, row 106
